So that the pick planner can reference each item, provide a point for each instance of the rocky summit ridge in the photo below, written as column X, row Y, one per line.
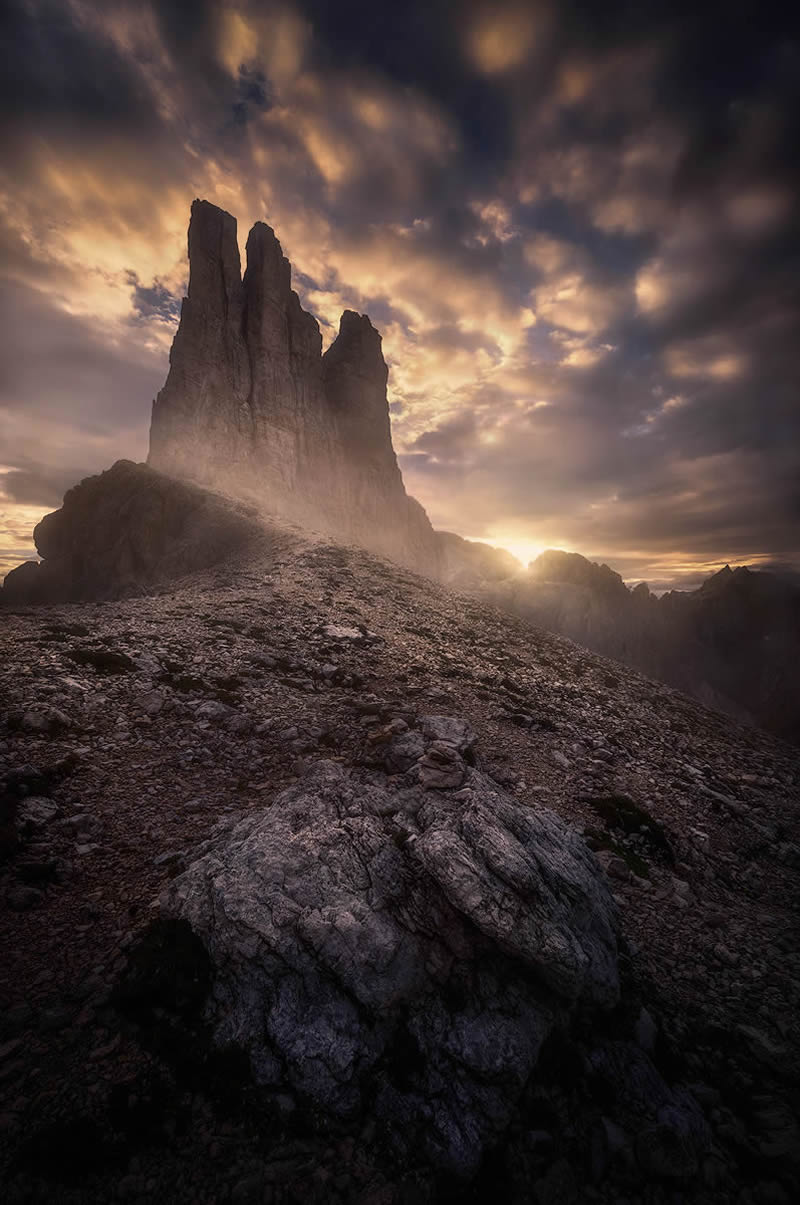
column 321, row 882
column 252, row 407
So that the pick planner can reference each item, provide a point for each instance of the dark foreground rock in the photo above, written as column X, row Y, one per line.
column 400, row 952
column 124, row 532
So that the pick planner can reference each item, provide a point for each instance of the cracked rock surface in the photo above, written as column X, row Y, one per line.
column 335, row 945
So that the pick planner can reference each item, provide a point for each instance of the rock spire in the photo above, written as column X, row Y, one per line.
column 251, row 406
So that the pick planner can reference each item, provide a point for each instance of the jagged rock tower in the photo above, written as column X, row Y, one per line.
column 252, row 407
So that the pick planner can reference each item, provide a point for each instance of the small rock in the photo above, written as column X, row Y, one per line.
column 614, row 866
column 151, row 702
column 442, row 768
column 450, row 730
column 212, row 709
column 102, row 1052
column 729, row 957
column 9, row 1047
column 35, row 812
column 22, row 899
column 645, row 1030
column 403, row 751
column 335, row 631
column 45, row 719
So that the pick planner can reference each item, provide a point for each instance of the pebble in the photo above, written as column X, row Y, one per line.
column 20, row 898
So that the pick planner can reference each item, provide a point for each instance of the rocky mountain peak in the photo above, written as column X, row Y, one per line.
column 355, row 377
column 251, row 406
column 213, row 256
column 555, row 565
column 359, row 338
column 267, row 266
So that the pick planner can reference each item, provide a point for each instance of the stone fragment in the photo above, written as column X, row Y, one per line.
column 403, row 751
column 35, row 812
column 45, row 719
column 151, row 702
column 20, row 898
column 614, row 866
column 451, row 730
column 442, row 767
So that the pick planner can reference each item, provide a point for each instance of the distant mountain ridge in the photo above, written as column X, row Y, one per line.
column 734, row 643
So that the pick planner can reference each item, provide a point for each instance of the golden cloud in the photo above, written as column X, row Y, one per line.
column 577, row 304
column 502, row 39
column 275, row 42
column 712, row 357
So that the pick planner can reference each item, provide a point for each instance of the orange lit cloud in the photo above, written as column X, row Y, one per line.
column 502, row 37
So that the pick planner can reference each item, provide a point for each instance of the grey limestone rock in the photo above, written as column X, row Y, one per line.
column 402, row 951
column 251, row 406
column 209, row 362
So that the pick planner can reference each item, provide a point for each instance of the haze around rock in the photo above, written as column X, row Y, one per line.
column 252, row 407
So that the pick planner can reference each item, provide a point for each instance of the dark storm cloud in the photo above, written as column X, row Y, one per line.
column 575, row 225
column 54, row 72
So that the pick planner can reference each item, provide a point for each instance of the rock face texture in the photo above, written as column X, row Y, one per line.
column 123, row 532
column 405, row 951
column 251, row 406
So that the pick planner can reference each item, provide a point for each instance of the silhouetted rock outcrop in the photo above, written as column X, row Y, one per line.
column 252, row 407
column 555, row 565
column 125, row 531
column 469, row 563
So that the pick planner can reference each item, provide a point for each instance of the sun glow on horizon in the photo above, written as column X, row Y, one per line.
column 524, row 550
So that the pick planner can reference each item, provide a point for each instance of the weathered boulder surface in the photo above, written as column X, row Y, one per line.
column 252, row 406
column 123, row 532
column 382, row 947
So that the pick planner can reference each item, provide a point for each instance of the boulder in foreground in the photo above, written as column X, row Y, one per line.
column 401, row 952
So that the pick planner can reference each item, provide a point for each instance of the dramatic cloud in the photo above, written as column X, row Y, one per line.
column 574, row 225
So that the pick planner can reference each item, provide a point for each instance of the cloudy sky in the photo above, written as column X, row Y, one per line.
column 575, row 225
